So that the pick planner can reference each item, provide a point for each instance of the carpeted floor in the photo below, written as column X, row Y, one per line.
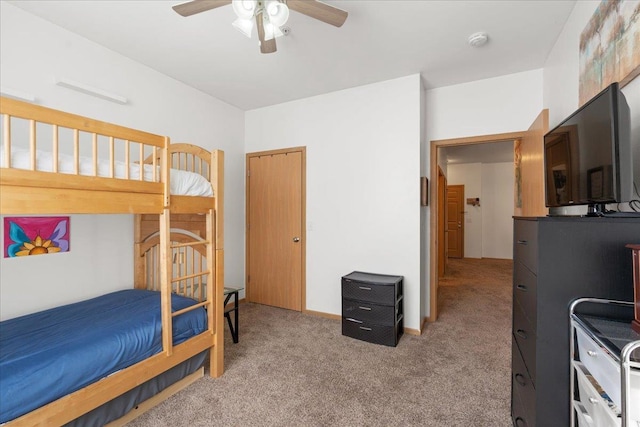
column 294, row 369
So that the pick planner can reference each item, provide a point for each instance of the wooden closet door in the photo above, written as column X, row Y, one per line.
column 455, row 221
column 275, row 229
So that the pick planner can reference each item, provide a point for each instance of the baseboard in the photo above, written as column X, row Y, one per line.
column 410, row 331
column 157, row 399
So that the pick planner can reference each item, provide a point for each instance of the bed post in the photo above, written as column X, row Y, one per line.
column 166, row 263
column 165, row 281
column 165, row 166
column 216, row 358
column 138, row 263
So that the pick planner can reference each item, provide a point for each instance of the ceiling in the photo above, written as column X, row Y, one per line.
column 381, row 40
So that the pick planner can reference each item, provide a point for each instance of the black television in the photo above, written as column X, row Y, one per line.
column 587, row 157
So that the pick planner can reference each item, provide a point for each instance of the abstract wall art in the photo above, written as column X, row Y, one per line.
column 610, row 47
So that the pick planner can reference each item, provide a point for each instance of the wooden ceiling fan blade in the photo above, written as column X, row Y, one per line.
column 197, row 6
column 266, row 46
column 320, row 11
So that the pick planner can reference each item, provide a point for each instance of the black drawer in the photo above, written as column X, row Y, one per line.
column 525, row 288
column 523, row 393
column 518, row 414
column 525, row 337
column 368, row 312
column 525, row 243
column 381, row 294
column 371, row 332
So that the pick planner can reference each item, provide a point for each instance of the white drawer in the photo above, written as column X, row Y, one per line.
column 583, row 417
column 606, row 371
column 600, row 364
column 596, row 406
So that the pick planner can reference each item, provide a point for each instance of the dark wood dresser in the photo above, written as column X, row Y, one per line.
column 558, row 259
column 372, row 307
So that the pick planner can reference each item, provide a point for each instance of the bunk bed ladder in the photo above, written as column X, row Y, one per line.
column 167, row 279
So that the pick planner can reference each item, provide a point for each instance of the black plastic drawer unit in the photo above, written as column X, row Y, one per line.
column 372, row 307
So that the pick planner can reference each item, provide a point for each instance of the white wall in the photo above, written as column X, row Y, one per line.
column 488, row 229
column 470, row 175
column 561, row 73
column 424, row 212
column 363, row 168
column 32, row 52
column 497, row 210
column 502, row 104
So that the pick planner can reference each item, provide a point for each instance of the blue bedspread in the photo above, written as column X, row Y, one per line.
column 46, row 355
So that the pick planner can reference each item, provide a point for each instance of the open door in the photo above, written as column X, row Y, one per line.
column 531, row 172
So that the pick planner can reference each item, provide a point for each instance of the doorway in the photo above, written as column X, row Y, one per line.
column 276, row 238
column 530, row 173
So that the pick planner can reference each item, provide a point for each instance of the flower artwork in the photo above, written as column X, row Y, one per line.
column 24, row 236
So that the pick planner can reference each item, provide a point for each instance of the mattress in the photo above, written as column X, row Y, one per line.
column 182, row 183
column 49, row 354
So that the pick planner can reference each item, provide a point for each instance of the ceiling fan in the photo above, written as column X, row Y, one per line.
column 269, row 15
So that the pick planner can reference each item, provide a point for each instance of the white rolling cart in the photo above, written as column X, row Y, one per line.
column 605, row 366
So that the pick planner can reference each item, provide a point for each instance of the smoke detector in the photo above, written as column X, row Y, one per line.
column 478, row 39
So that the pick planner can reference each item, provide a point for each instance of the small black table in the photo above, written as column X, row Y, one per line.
column 233, row 327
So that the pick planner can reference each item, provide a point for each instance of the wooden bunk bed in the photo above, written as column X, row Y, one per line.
column 87, row 166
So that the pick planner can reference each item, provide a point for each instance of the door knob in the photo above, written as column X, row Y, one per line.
column 296, row 239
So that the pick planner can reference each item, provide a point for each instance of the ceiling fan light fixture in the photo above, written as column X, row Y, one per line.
column 244, row 8
column 271, row 31
column 270, row 16
column 245, row 26
column 277, row 12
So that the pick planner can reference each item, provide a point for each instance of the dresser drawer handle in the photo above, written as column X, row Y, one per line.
column 364, row 328
column 364, row 288
column 364, row 308
column 521, row 380
column 592, row 353
column 354, row 320
column 523, row 242
column 520, row 422
column 593, row 400
column 522, row 333
column 522, row 288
